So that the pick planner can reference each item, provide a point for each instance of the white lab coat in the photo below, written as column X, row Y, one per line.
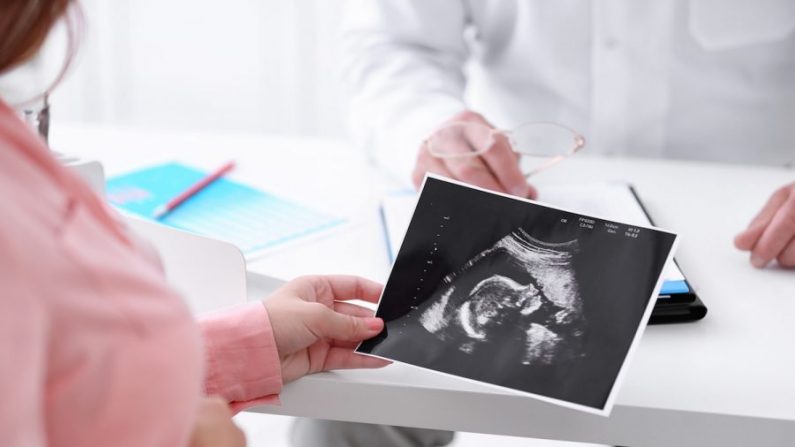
column 694, row 79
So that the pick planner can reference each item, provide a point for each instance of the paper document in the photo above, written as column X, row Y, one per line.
column 251, row 219
column 613, row 201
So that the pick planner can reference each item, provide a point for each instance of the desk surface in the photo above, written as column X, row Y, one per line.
column 727, row 380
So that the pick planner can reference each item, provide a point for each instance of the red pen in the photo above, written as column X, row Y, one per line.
column 193, row 189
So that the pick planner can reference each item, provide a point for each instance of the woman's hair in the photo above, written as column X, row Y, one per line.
column 24, row 26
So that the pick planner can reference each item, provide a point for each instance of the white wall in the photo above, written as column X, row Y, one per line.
column 233, row 65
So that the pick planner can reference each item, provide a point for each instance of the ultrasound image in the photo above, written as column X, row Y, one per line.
column 517, row 294
column 520, row 293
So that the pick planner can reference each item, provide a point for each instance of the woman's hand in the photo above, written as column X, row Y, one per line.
column 214, row 426
column 771, row 235
column 316, row 331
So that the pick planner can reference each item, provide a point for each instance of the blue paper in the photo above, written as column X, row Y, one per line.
column 251, row 219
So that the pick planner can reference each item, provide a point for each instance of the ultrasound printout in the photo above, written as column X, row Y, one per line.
column 519, row 295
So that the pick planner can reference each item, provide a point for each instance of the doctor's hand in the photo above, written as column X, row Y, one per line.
column 315, row 330
column 771, row 235
column 496, row 169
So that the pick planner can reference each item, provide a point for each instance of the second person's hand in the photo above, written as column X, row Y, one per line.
column 496, row 169
column 771, row 235
column 315, row 330
column 214, row 426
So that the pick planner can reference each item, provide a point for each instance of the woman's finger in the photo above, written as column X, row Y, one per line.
column 346, row 287
column 345, row 344
column 352, row 309
column 336, row 326
column 343, row 358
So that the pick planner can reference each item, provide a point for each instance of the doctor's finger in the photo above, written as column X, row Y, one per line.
column 776, row 236
column 747, row 239
column 473, row 170
column 504, row 163
column 771, row 206
column 787, row 256
column 427, row 163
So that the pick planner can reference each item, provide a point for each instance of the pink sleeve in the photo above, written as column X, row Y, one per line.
column 23, row 350
column 243, row 364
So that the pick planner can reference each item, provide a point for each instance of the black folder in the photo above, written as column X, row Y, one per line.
column 677, row 307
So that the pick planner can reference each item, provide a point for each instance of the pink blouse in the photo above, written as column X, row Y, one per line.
column 95, row 348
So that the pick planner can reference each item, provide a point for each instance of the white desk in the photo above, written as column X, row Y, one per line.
column 728, row 380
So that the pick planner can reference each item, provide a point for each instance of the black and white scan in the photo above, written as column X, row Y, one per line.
column 517, row 294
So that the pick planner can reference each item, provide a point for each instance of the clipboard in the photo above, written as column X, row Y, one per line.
column 673, row 307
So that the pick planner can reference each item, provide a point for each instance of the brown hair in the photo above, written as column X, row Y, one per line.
column 25, row 24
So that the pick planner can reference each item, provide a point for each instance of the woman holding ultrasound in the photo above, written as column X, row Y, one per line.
column 95, row 347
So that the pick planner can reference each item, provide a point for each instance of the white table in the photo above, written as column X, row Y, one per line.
column 728, row 380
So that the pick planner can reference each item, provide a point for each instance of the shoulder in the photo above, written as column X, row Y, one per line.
column 29, row 185
column 33, row 206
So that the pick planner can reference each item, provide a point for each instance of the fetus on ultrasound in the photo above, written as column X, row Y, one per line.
column 517, row 300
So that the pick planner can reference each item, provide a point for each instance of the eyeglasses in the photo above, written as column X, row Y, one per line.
column 547, row 143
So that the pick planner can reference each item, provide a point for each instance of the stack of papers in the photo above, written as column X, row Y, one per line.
column 614, row 201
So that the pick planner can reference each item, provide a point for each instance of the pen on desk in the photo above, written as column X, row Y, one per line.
column 193, row 189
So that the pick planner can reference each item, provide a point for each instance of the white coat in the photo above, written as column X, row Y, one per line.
column 691, row 79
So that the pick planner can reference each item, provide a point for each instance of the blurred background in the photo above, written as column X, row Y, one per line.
column 260, row 66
